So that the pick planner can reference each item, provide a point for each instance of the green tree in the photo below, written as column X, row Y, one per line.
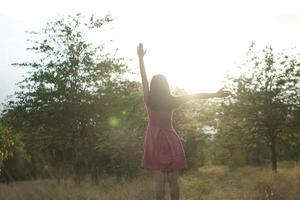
column 62, row 96
column 266, row 102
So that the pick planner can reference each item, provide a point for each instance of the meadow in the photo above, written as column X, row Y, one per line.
column 205, row 183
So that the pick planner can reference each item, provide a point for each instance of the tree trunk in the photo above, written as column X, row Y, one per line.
column 95, row 176
column 273, row 154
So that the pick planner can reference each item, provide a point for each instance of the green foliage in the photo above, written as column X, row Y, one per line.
column 65, row 100
column 265, row 106
column 6, row 144
column 77, row 115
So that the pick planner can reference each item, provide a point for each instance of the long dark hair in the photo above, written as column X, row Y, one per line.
column 160, row 97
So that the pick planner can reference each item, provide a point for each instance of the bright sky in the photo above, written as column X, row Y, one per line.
column 194, row 43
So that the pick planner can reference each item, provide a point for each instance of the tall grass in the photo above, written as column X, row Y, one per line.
column 206, row 183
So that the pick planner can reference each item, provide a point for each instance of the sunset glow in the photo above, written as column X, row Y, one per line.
column 194, row 43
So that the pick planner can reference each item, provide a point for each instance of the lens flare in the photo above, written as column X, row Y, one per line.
column 113, row 121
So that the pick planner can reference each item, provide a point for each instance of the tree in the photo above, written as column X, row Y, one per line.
column 61, row 97
column 266, row 102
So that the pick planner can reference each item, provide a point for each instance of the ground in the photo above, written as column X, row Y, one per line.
column 205, row 183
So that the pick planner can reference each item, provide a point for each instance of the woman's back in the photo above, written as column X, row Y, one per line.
column 160, row 118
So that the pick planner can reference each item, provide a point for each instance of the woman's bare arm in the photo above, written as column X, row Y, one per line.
column 141, row 53
column 185, row 98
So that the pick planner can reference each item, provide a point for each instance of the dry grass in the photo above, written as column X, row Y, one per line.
column 207, row 183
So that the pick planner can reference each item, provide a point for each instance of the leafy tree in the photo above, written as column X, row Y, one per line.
column 266, row 102
column 62, row 96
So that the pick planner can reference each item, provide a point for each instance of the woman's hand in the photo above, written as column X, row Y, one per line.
column 141, row 53
column 140, row 50
column 223, row 93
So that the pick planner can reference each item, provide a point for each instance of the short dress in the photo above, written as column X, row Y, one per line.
column 163, row 150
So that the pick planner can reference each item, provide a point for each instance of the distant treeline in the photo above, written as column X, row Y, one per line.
column 77, row 114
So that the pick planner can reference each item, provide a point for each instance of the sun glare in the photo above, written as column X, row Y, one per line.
column 194, row 44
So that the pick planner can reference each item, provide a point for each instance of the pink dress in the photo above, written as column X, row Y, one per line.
column 163, row 149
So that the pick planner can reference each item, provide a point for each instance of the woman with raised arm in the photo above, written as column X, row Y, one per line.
column 163, row 151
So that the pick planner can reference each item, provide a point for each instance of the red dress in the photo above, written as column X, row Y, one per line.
column 163, row 149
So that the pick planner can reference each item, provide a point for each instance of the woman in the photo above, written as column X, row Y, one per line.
column 163, row 152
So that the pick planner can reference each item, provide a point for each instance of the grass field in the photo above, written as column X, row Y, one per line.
column 206, row 183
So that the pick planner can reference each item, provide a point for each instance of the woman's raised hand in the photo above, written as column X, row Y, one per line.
column 223, row 93
column 140, row 50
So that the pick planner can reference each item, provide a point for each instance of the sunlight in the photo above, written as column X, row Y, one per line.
column 194, row 44
column 82, row 123
column 194, row 73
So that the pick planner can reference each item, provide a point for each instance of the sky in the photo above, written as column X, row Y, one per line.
column 194, row 43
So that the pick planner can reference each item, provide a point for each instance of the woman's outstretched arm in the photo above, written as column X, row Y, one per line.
column 185, row 98
column 141, row 53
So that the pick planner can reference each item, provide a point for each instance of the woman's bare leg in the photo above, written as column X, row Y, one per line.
column 172, row 178
column 159, row 185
